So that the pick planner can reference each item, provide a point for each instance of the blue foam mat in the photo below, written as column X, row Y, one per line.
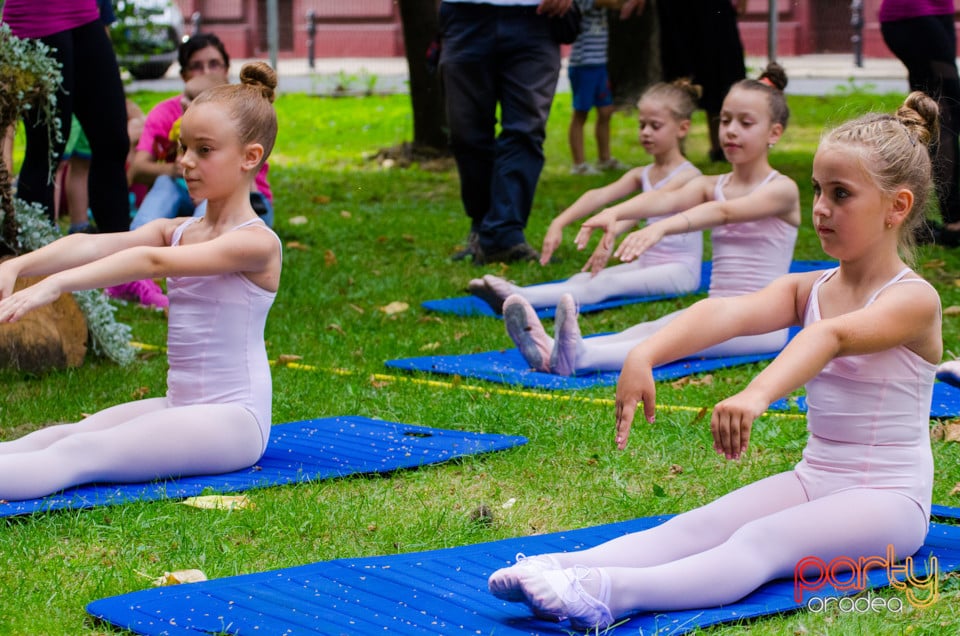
column 473, row 306
column 509, row 367
column 309, row 450
column 435, row 592
column 945, row 403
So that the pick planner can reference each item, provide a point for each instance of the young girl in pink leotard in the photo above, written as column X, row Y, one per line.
column 673, row 267
column 868, row 351
column 223, row 270
column 755, row 212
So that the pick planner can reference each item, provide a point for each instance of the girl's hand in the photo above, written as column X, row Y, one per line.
column 7, row 280
column 601, row 255
column 605, row 221
column 731, row 423
column 634, row 386
column 15, row 307
column 636, row 243
column 550, row 243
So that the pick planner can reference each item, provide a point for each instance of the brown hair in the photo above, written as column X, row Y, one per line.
column 895, row 152
column 772, row 81
column 680, row 96
column 250, row 104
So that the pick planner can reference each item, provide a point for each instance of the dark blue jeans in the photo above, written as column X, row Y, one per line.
column 506, row 55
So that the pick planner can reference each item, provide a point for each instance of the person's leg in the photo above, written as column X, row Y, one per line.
column 601, row 131
column 529, row 63
column 927, row 48
column 35, row 182
column 153, row 443
column 466, row 66
column 575, row 137
column 100, row 106
column 78, row 200
column 164, row 200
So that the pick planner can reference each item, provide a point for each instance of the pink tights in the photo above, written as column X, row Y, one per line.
column 131, row 442
column 722, row 551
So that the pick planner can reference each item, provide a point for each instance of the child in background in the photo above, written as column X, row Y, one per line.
column 223, row 273
column 868, row 351
column 674, row 266
column 755, row 212
column 589, row 84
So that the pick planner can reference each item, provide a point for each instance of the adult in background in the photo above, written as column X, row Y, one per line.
column 498, row 51
column 92, row 90
column 922, row 36
column 700, row 39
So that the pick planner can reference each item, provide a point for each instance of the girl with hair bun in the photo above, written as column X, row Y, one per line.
column 867, row 353
column 674, row 268
column 755, row 213
column 223, row 271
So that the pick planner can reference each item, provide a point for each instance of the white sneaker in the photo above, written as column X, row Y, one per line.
column 612, row 164
column 583, row 168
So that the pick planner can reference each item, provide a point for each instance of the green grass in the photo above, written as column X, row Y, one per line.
column 374, row 236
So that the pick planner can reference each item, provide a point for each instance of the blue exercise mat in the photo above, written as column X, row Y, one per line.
column 435, row 592
column 309, row 450
column 509, row 367
column 473, row 306
column 945, row 404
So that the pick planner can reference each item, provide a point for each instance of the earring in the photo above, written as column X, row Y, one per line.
column 769, row 146
column 889, row 225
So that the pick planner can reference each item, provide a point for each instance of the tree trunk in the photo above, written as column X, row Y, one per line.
column 52, row 337
column 633, row 54
column 420, row 27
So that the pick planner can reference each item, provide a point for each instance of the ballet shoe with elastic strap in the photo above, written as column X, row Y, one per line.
column 563, row 358
column 560, row 594
column 505, row 582
column 526, row 331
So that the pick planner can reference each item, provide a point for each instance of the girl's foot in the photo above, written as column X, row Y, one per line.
column 505, row 582
column 563, row 358
column 949, row 372
column 579, row 593
column 493, row 290
column 527, row 332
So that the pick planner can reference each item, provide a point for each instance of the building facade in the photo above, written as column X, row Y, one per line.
column 371, row 28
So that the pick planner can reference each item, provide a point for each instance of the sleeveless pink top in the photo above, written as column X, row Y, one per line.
column 869, row 419
column 749, row 256
column 685, row 249
column 215, row 340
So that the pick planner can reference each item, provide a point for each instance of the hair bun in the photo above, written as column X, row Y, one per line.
column 775, row 75
column 920, row 114
column 260, row 76
column 686, row 84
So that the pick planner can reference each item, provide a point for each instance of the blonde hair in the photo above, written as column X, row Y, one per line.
column 771, row 82
column 680, row 97
column 894, row 151
column 250, row 104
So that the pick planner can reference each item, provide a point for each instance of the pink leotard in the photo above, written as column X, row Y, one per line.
column 868, row 418
column 749, row 256
column 685, row 249
column 215, row 341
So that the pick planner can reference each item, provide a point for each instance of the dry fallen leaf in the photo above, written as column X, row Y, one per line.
column 345, row 214
column 936, row 262
column 286, row 358
column 335, row 327
column 356, row 308
column 952, row 310
column 297, row 245
column 956, row 489
column 947, row 431
column 430, row 346
column 298, row 220
column 140, row 392
column 219, row 502
column 321, row 198
column 329, row 258
column 395, row 307
column 180, row 576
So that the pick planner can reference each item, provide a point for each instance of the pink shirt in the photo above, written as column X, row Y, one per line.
column 156, row 141
column 40, row 18
column 902, row 9
column 687, row 248
column 869, row 418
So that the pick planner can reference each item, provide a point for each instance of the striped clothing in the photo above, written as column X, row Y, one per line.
column 590, row 49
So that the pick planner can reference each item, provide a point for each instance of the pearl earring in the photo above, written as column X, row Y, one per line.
column 889, row 225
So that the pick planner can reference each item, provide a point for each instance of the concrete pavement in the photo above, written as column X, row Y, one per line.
column 808, row 75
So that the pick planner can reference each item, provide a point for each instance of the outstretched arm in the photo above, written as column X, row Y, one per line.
column 250, row 252
column 706, row 323
column 780, row 198
column 589, row 201
column 646, row 205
